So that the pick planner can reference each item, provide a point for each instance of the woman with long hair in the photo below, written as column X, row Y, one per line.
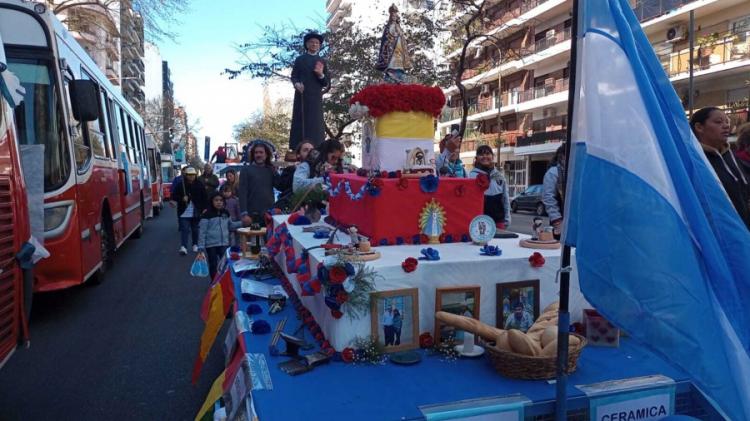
column 711, row 126
column 257, row 181
column 496, row 200
column 324, row 159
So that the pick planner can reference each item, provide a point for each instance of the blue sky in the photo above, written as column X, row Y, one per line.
column 207, row 35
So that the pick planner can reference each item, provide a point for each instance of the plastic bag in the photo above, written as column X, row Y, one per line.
column 200, row 266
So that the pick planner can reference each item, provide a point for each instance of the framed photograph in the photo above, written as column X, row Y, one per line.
column 517, row 304
column 463, row 301
column 394, row 316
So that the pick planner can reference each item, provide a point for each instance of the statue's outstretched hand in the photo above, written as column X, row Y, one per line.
column 300, row 87
column 319, row 66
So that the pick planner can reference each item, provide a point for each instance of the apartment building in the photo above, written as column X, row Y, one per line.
column 517, row 83
column 132, row 52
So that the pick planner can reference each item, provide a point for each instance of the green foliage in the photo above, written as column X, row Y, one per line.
column 272, row 124
column 368, row 351
column 359, row 299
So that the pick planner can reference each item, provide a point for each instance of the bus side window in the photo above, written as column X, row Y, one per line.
column 112, row 124
column 123, row 134
column 131, row 143
column 81, row 145
column 94, row 130
column 104, row 123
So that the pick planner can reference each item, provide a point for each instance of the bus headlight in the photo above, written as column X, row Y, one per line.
column 56, row 219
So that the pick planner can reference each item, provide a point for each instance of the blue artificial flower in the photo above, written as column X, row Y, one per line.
column 321, row 234
column 332, row 303
column 416, row 239
column 430, row 254
column 448, row 238
column 464, row 238
column 392, row 174
column 399, row 241
column 349, row 269
column 489, row 250
column 383, row 242
column 429, row 183
column 260, row 327
column 254, row 309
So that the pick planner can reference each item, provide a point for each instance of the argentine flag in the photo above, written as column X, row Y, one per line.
column 661, row 252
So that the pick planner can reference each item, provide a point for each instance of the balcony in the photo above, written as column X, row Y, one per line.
column 719, row 49
column 559, row 85
column 550, row 124
column 550, row 41
column 542, row 138
column 484, row 105
column 650, row 9
column 473, row 140
column 450, row 113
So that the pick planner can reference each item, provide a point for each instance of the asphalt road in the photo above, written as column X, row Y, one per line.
column 521, row 222
column 123, row 350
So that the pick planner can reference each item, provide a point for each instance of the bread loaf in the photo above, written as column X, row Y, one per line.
column 522, row 344
column 549, row 335
column 468, row 324
column 555, row 306
column 551, row 349
column 502, row 342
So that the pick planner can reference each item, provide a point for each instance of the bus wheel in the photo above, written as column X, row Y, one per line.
column 107, row 252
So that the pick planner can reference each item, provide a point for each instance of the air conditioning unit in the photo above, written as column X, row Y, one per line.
column 550, row 34
column 677, row 33
column 485, row 89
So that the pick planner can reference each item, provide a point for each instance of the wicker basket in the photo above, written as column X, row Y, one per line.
column 519, row 366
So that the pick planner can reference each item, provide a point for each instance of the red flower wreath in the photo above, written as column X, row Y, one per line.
column 377, row 183
column 347, row 355
column 385, row 98
column 483, row 181
column 337, row 275
column 536, row 260
column 410, row 264
column 336, row 314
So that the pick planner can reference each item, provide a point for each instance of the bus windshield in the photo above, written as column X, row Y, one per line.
column 39, row 121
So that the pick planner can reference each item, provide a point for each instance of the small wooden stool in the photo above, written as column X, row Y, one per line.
column 247, row 235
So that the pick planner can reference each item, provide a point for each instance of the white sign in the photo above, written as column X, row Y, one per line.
column 644, row 408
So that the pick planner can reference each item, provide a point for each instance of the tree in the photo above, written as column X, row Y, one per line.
column 473, row 26
column 350, row 53
column 156, row 124
column 158, row 15
column 271, row 124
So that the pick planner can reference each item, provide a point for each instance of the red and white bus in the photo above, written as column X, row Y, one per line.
column 95, row 178
column 15, row 283
column 154, row 171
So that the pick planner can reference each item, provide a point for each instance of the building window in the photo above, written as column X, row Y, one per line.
column 515, row 174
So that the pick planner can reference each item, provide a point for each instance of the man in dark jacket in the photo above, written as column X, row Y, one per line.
column 209, row 180
column 257, row 181
column 191, row 202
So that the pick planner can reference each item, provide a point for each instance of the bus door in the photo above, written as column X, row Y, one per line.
column 130, row 200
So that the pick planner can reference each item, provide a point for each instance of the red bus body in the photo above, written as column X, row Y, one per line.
column 14, row 232
column 96, row 178
column 154, row 170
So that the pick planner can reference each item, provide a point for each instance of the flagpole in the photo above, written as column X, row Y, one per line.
column 563, row 322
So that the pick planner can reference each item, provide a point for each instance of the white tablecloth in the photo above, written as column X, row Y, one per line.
column 460, row 264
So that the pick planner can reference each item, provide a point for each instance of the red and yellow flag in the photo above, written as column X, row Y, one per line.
column 216, row 305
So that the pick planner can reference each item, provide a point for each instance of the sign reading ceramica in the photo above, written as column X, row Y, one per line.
column 634, row 399
column 652, row 407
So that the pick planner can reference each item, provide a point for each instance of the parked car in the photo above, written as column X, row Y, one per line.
column 530, row 199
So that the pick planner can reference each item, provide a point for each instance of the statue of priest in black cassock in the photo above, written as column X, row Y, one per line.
column 310, row 79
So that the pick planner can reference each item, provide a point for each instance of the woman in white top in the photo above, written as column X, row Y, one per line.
column 324, row 159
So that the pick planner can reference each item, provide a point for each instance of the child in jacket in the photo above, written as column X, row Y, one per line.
column 214, row 231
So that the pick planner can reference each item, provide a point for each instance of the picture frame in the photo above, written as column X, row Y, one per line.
column 462, row 300
column 384, row 323
column 520, row 300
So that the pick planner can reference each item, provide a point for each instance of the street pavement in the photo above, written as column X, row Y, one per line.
column 123, row 350
column 521, row 222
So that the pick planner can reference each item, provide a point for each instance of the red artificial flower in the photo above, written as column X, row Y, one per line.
column 460, row 190
column 329, row 351
column 483, row 181
column 536, row 260
column 403, row 183
column 377, row 183
column 342, row 297
column 337, row 275
column 385, row 98
column 410, row 264
column 424, row 239
column 319, row 337
column 315, row 284
column 398, row 173
column 383, row 174
column 336, row 314
column 426, row 341
column 347, row 355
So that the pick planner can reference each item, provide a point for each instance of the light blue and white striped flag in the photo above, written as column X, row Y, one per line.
column 661, row 252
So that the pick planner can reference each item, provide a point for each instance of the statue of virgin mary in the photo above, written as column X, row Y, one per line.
column 393, row 58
